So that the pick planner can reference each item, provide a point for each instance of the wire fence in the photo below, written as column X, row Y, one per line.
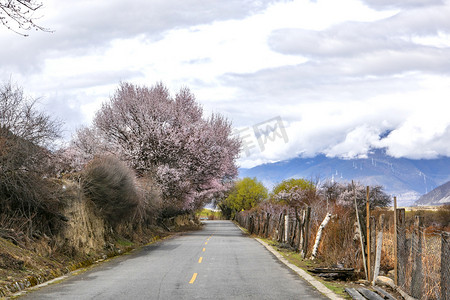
column 423, row 259
column 423, row 254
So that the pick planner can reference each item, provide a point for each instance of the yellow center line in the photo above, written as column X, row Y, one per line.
column 206, row 243
column 193, row 278
column 200, row 260
column 204, row 249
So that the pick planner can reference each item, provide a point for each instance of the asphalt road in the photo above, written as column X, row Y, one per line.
column 218, row 262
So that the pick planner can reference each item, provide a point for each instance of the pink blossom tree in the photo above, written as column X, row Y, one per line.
column 192, row 157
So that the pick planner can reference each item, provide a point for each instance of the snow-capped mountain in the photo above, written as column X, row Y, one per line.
column 405, row 178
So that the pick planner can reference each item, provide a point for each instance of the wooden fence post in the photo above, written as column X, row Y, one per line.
column 445, row 266
column 300, row 231
column 368, row 234
column 260, row 221
column 266, row 226
column 376, row 270
column 293, row 231
column 373, row 243
column 361, row 239
column 257, row 224
column 395, row 243
column 417, row 276
column 402, row 253
column 280, row 228
column 305, row 229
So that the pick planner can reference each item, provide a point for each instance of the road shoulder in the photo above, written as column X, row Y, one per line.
column 303, row 274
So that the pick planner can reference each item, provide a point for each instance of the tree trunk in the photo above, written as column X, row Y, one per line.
column 319, row 235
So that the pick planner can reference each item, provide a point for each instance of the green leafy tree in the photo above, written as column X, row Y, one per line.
column 244, row 195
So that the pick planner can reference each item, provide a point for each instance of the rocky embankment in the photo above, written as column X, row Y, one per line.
column 85, row 239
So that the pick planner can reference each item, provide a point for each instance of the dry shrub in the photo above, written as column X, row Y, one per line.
column 111, row 186
column 439, row 218
column 28, row 202
column 387, row 252
column 338, row 244
column 150, row 201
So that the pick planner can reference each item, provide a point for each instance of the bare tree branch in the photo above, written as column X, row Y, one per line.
column 25, row 162
column 19, row 15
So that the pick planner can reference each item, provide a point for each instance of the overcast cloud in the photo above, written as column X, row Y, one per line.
column 344, row 77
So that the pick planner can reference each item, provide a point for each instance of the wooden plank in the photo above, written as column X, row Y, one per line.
column 354, row 294
column 369, row 294
column 385, row 294
column 332, row 270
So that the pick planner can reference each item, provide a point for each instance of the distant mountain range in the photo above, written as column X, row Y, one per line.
column 438, row 196
column 405, row 178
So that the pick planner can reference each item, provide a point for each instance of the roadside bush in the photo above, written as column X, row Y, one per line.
column 111, row 186
column 150, row 201
column 339, row 244
column 28, row 200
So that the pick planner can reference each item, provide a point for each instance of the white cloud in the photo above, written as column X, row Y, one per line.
column 388, row 4
column 416, row 125
column 340, row 73
column 357, row 142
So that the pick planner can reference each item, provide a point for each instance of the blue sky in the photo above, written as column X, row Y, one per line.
column 341, row 77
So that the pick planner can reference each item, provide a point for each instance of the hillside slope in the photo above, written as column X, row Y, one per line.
column 438, row 196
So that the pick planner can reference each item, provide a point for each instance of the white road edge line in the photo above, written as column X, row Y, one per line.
column 314, row 282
